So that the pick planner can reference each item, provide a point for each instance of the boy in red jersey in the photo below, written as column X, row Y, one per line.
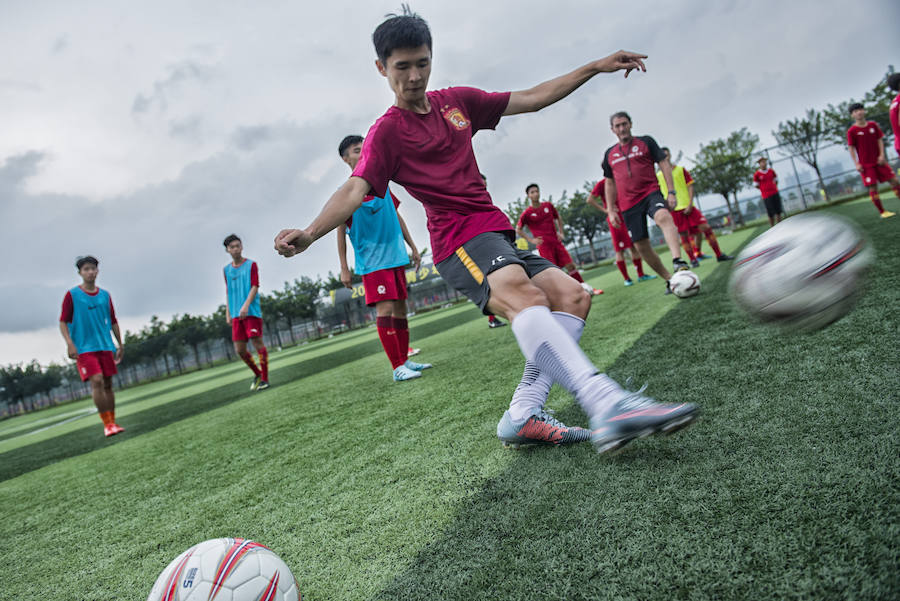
column 865, row 140
column 630, row 170
column 424, row 143
column 767, row 181
column 894, row 113
column 243, row 311
column 621, row 241
column 546, row 228
column 86, row 320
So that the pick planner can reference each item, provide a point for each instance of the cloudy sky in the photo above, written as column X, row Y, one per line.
column 145, row 132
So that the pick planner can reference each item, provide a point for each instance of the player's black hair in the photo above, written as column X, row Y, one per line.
column 854, row 106
column 347, row 143
column 893, row 81
column 530, row 186
column 231, row 238
column 82, row 261
column 619, row 114
column 666, row 149
column 406, row 30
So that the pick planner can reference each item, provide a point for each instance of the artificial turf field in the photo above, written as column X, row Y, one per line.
column 787, row 488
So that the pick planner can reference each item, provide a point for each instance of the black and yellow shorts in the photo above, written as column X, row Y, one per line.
column 468, row 267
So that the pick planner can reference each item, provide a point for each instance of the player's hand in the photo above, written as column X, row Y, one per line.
column 615, row 219
column 72, row 351
column 859, row 167
column 688, row 209
column 416, row 259
column 292, row 242
column 120, row 352
column 345, row 278
column 622, row 60
column 882, row 161
column 671, row 201
column 244, row 313
column 537, row 241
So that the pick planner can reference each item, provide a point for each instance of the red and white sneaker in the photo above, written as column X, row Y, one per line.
column 112, row 429
column 412, row 352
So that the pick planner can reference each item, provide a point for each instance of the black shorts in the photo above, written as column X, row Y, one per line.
column 467, row 268
column 773, row 205
column 635, row 218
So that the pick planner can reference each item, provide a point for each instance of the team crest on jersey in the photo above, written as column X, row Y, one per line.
column 546, row 210
column 871, row 130
column 634, row 148
column 456, row 117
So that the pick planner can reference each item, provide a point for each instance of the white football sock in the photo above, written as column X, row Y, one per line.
column 550, row 347
column 531, row 393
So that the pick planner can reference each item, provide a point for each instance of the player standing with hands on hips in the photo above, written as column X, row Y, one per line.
column 424, row 143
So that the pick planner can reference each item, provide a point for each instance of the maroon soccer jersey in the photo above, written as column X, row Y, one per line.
column 766, row 181
column 431, row 156
column 540, row 220
column 895, row 121
column 600, row 190
column 865, row 141
column 633, row 168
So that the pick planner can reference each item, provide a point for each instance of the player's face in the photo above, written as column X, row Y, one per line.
column 621, row 126
column 763, row 164
column 407, row 71
column 234, row 249
column 534, row 195
column 88, row 273
column 859, row 115
column 351, row 155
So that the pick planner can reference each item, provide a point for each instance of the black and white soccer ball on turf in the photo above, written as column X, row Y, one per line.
column 804, row 273
column 226, row 569
column 684, row 284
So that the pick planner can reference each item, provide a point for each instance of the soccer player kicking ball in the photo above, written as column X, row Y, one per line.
column 242, row 311
column 767, row 181
column 866, row 143
column 546, row 228
column 424, row 143
column 689, row 221
column 621, row 241
column 629, row 168
column 377, row 232
column 86, row 320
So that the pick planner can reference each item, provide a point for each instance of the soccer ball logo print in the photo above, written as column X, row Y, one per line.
column 381, row 289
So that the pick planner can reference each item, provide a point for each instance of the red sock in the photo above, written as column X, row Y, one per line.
column 402, row 327
column 491, row 318
column 107, row 417
column 873, row 194
column 713, row 242
column 248, row 359
column 623, row 269
column 639, row 265
column 687, row 246
column 388, row 336
column 264, row 362
column 574, row 273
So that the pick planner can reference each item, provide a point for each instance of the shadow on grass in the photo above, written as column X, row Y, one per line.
column 736, row 507
column 89, row 438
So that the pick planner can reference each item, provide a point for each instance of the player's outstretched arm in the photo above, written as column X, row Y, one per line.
column 554, row 90
column 340, row 206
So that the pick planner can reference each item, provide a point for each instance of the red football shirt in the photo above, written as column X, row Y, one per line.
column 540, row 220
column 895, row 122
column 600, row 190
column 431, row 156
column 865, row 141
column 766, row 181
column 633, row 168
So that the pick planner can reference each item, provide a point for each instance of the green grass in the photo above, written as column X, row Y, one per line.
column 788, row 488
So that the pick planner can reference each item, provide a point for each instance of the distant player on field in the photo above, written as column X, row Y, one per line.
column 894, row 84
column 424, row 143
column 867, row 151
column 632, row 193
column 377, row 232
column 689, row 221
column 86, row 320
column 621, row 241
column 546, row 227
column 767, row 181
column 243, row 312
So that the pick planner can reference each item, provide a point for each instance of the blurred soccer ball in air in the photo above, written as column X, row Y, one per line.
column 804, row 273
